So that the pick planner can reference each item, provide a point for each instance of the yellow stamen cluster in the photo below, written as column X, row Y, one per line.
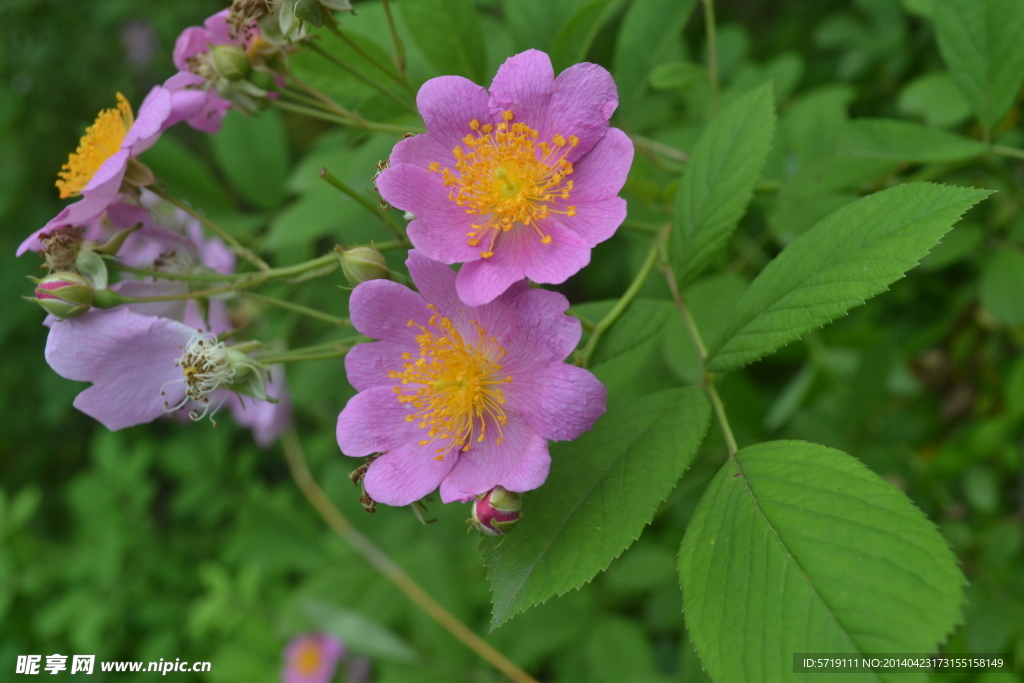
column 505, row 175
column 453, row 385
column 101, row 141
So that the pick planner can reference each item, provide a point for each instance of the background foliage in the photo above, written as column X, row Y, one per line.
column 175, row 541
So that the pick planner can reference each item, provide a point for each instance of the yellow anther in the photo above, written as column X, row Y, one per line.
column 508, row 177
column 454, row 384
column 101, row 141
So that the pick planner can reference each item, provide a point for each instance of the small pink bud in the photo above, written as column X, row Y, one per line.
column 65, row 295
column 496, row 512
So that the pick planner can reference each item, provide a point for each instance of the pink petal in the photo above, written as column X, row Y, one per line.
column 423, row 150
column 266, row 420
column 602, row 172
column 584, row 100
column 540, row 333
column 520, row 463
column 435, row 282
column 519, row 253
column 373, row 421
column 448, row 104
column 382, row 309
column 150, row 121
column 598, row 220
column 524, row 84
column 564, row 400
column 368, row 365
column 440, row 227
column 128, row 357
column 406, row 474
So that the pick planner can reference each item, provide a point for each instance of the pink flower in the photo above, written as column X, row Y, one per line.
column 519, row 182
column 141, row 367
column 457, row 396
column 191, row 57
column 312, row 658
column 95, row 171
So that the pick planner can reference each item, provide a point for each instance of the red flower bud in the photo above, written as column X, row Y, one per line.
column 65, row 295
column 496, row 512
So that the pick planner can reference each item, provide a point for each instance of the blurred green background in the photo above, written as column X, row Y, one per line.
column 172, row 540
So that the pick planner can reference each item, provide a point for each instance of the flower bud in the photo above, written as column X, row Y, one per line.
column 496, row 512
column 230, row 61
column 362, row 264
column 65, row 295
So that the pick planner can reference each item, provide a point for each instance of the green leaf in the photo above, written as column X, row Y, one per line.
column 642, row 320
column 796, row 547
column 980, row 42
column 719, row 181
column 906, row 141
column 449, row 34
column 1002, row 283
column 604, row 487
column 253, row 154
column 361, row 633
column 187, row 176
column 574, row 38
column 935, row 99
column 847, row 258
column 648, row 25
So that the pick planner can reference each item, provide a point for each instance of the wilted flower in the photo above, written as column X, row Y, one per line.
column 217, row 78
column 457, row 396
column 142, row 367
column 312, row 658
column 519, row 182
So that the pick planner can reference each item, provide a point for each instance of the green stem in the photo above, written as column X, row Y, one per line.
column 188, row 277
column 357, row 122
column 627, row 298
column 398, row 78
column 386, row 566
column 660, row 148
column 709, row 29
column 185, row 295
column 298, row 308
column 709, row 380
column 160, row 190
column 289, row 357
column 399, row 46
column 362, row 77
column 384, row 216
column 242, row 281
column 723, row 421
column 1007, row 151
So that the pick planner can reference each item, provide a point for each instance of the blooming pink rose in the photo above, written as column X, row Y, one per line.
column 312, row 658
column 97, row 168
column 458, row 396
column 521, row 181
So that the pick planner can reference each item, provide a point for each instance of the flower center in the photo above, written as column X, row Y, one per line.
column 205, row 367
column 453, row 385
column 509, row 178
column 101, row 141
column 308, row 660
